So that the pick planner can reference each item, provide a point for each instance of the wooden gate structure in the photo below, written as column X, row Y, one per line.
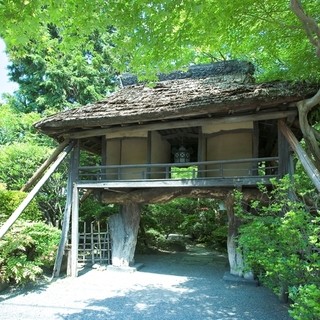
column 230, row 132
column 94, row 243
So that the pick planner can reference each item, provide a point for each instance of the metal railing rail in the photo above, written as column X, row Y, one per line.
column 253, row 167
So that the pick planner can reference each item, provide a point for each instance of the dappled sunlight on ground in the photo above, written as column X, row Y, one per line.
column 170, row 286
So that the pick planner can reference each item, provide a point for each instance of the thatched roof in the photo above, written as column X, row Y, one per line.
column 177, row 99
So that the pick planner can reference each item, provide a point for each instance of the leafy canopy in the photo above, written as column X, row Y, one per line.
column 152, row 36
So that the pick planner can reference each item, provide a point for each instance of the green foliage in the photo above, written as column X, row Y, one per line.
column 52, row 195
column 25, row 250
column 184, row 172
column 153, row 36
column 19, row 161
column 307, row 302
column 154, row 238
column 199, row 219
column 281, row 244
column 92, row 209
column 166, row 217
column 18, row 127
column 52, row 79
column 10, row 200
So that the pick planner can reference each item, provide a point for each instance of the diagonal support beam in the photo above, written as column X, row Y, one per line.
column 15, row 215
column 37, row 175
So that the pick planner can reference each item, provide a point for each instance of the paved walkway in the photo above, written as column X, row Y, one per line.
column 178, row 286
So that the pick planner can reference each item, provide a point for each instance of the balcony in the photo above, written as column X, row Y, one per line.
column 225, row 173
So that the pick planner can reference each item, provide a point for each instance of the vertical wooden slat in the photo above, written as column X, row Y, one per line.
column 109, row 244
column 99, row 243
column 92, row 243
column 84, row 246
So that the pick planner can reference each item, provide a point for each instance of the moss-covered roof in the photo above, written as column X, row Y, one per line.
column 216, row 96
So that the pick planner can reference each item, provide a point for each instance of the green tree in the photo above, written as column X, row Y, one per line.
column 52, row 80
column 157, row 34
column 17, row 127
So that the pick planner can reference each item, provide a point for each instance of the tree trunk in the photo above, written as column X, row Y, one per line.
column 305, row 107
column 236, row 259
column 124, row 228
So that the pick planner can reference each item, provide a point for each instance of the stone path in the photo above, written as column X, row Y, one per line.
column 177, row 286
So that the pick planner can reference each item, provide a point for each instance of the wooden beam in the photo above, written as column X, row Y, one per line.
column 311, row 170
column 15, row 215
column 44, row 166
column 162, row 195
column 184, row 183
column 125, row 130
column 255, row 140
column 75, row 231
column 234, row 131
column 73, row 172
column 284, row 154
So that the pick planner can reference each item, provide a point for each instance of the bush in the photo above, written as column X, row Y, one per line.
column 25, row 250
column 19, row 161
column 306, row 304
column 281, row 245
column 10, row 200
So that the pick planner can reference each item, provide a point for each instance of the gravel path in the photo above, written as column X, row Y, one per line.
column 178, row 286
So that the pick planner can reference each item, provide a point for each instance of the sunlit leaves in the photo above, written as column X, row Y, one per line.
column 152, row 36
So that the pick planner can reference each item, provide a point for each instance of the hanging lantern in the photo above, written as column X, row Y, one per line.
column 181, row 155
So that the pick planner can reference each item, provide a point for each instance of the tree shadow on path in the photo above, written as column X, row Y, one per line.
column 182, row 286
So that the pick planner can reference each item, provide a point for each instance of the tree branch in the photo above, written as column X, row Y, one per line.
column 309, row 24
column 311, row 137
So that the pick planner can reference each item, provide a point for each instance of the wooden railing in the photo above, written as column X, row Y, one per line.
column 257, row 167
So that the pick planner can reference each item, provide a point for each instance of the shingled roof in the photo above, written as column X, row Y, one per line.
column 217, row 95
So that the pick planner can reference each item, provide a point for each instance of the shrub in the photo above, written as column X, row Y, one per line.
column 281, row 245
column 25, row 250
column 306, row 304
column 19, row 161
column 10, row 200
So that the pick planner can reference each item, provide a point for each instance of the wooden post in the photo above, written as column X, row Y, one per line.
column 73, row 173
column 103, row 157
column 15, row 215
column 284, row 154
column 75, row 231
column 255, row 148
column 44, row 166
column 200, row 153
column 311, row 170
